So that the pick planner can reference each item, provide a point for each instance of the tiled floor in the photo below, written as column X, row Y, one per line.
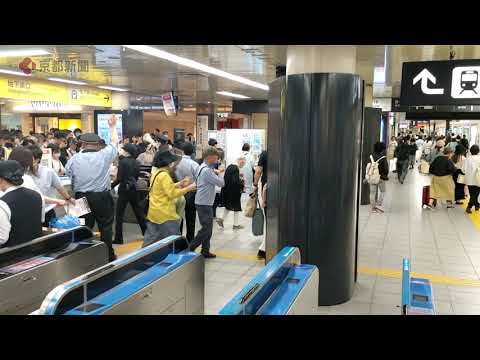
column 443, row 242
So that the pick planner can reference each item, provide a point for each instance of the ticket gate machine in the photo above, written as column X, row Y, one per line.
column 417, row 294
column 162, row 278
column 283, row 287
column 30, row 270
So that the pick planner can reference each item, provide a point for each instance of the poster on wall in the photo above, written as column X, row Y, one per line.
column 169, row 104
column 103, row 129
column 202, row 130
column 235, row 138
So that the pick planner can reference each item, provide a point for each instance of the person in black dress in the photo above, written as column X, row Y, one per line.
column 127, row 176
column 231, row 194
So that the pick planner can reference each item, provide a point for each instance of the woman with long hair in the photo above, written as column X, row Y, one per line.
column 458, row 160
column 231, row 194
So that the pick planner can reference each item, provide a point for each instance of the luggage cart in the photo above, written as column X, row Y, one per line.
column 417, row 294
column 162, row 278
column 283, row 287
column 30, row 270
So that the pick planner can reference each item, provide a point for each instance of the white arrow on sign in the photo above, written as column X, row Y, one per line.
column 426, row 75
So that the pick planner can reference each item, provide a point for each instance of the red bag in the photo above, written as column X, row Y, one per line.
column 426, row 196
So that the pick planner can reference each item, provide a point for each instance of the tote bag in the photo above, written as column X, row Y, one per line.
column 251, row 205
column 258, row 220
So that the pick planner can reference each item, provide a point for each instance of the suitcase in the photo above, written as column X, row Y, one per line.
column 426, row 196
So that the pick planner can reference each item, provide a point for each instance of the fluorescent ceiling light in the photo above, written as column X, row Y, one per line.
column 63, row 108
column 12, row 72
column 67, row 81
column 112, row 88
column 194, row 65
column 226, row 93
column 23, row 52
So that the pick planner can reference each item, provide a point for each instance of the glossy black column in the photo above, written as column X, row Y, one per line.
column 316, row 160
column 371, row 134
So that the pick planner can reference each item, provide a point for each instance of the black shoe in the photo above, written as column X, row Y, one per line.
column 468, row 211
column 208, row 255
column 261, row 254
column 112, row 258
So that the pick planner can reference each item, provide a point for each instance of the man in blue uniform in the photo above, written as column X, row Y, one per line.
column 90, row 174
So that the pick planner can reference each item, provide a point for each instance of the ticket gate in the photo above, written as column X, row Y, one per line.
column 283, row 287
column 162, row 278
column 30, row 270
column 417, row 294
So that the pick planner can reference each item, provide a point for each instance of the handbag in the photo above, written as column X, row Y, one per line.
column 251, row 205
column 258, row 220
column 461, row 179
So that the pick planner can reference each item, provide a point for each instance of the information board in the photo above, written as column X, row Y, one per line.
column 103, row 129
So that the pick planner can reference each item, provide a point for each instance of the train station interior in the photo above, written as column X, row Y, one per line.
column 134, row 180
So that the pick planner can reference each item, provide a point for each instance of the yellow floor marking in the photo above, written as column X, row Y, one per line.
column 121, row 250
column 474, row 216
column 437, row 279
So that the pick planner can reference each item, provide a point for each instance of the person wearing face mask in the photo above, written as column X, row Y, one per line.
column 162, row 217
column 207, row 178
column 49, row 184
column 18, row 206
column 127, row 176
column 57, row 165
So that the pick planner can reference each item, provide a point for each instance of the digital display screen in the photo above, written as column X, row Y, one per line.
column 103, row 129
column 420, row 298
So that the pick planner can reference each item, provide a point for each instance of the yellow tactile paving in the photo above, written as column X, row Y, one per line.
column 389, row 273
column 474, row 216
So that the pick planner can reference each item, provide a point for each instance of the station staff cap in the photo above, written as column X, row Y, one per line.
column 90, row 138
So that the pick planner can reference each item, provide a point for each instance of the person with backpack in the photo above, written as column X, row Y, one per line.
column 412, row 152
column 402, row 153
column 376, row 175
column 127, row 176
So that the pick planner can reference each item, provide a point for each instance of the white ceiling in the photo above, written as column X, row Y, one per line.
column 150, row 76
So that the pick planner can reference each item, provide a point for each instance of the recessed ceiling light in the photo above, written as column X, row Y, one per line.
column 67, row 81
column 227, row 93
column 23, row 52
column 195, row 65
column 112, row 88
column 12, row 72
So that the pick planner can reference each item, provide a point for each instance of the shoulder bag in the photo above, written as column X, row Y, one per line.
column 145, row 203
column 258, row 220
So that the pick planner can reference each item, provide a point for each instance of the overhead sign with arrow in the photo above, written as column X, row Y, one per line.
column 453, row 82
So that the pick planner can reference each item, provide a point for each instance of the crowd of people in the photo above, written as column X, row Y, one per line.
column 166, row 186
column 453, row 164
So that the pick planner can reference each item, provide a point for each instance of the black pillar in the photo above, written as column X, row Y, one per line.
column 317, row 153
column 132, row 123
column 371, row 134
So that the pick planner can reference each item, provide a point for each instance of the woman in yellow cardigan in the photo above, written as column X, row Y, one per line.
column 162, row 217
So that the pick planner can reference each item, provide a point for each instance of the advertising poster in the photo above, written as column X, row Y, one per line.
column 169, row 104
column 202, row 130
column 103, row 130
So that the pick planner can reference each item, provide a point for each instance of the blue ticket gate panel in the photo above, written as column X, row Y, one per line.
column 283, row 287
column 162, row 278
column 417, row 294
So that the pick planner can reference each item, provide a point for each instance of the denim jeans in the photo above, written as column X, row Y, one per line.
column 402, row 169
column 377, row 193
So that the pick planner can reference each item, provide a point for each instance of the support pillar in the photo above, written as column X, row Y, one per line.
column 314, row 137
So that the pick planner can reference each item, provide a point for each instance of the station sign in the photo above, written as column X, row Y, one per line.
column 39, row 90
column 451, row 82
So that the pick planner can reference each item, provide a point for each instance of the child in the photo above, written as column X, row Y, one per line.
column 231, row 194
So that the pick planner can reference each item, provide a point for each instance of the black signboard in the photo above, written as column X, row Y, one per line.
column 452, row 82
